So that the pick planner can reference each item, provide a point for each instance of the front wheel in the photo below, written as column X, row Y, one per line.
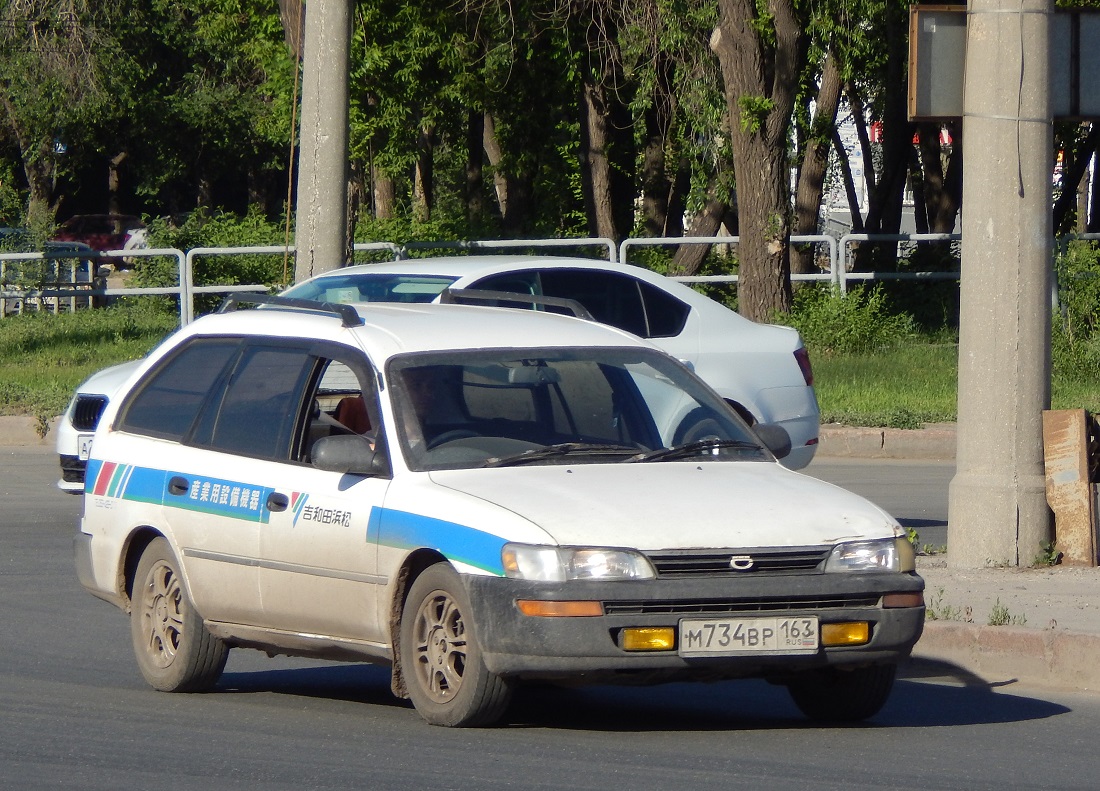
column 174, row 651
column 440, row 657
column 837, row 695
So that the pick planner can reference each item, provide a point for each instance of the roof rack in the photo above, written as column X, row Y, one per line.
column 456, row 296
column 346, row 313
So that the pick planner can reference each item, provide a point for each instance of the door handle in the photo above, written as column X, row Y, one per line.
column 277, row 502
column 178, row 485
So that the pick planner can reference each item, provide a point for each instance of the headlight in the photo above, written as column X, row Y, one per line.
column 884, row 554
column 558, row 564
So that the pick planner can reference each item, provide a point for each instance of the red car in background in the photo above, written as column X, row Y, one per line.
column 100, row 231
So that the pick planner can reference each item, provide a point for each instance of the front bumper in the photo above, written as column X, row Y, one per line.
column 72, row 474
column 514, row 644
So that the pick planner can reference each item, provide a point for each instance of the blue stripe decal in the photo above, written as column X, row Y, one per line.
column 405, row 530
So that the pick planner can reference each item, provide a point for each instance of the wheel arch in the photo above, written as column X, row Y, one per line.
column 135, row 546
column 412, row 567
column 743, row 411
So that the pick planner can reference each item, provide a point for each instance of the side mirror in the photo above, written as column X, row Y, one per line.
column 775, row 438
column 348, row 453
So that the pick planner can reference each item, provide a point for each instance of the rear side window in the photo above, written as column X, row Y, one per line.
column 167, row 404
column 665, row 314
column 619, row 300
column 258, row 412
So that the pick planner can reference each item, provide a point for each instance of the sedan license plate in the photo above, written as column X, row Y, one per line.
column 84, row 446
column 733, row 636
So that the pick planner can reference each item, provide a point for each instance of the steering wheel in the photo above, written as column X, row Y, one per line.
column 451, row 436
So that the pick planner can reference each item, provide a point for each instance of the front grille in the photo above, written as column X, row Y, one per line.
column 72, row 469
column 722, row 606
column 783, row 560
column 87, row 411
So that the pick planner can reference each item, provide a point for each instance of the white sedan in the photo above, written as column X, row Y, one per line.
column 762, row 370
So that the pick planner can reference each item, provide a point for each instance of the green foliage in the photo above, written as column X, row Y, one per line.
column 936, row 610
column 1075, row 342
column 834, row 323
column 43, row 357
column 1049, row 554
column 754, row 112
column 1000, row 616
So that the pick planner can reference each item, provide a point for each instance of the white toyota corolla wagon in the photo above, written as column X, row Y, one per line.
column 478, row 497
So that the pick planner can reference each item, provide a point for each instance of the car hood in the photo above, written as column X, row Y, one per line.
column 676, row 505
column 107, row 381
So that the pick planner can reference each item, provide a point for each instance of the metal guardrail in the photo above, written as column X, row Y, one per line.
column 185, row 290
column 94, row 256
column 661, row 241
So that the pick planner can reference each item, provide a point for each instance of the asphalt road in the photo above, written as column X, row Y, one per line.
column 75, row 714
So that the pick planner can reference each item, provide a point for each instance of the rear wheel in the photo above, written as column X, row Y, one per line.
column 174, row 651
column 440, row 657
column 837, row 695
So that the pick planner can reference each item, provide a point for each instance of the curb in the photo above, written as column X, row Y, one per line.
column 999, row 655
column 933, row 442
column 23, row 431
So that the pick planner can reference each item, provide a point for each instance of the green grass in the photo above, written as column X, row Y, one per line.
column 902, row 387
column 44, row 357
column 913, row 384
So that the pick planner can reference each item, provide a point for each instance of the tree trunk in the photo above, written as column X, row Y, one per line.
column 384, row 194
column 475, row 156
column 495, row 155
column 815, row 161
column 513, row 190
column 942, row 189
column 114, row 205
column 884, row 205
column 760, row 83
column 849, row 183
column 292, row 14
column 658, row 190
column 595, row 162
column 423, row 182
column 689, row 257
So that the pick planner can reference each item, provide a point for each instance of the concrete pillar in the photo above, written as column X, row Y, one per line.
column 997, row 508
column 320, row 224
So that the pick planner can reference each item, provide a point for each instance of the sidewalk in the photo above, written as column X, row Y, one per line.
column 1051, row 630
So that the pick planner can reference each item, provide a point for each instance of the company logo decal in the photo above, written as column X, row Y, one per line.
column 223, row 498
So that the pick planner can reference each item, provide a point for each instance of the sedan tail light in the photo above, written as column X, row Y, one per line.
column 803, row 358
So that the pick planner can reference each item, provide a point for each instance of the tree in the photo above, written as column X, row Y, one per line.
column 50, row 82
column 760, row 51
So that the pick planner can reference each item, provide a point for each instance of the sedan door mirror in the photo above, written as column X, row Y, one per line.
column 775, row 438
column 350, row 454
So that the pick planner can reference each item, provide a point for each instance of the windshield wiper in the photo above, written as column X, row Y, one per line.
column 560, row 450
column 688, row 449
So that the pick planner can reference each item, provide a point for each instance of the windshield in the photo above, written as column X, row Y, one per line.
column 559, row 406
column 371, row 287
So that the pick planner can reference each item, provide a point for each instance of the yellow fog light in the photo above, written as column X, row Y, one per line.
column 850, row 633
column 560, row 609
column 652, row 638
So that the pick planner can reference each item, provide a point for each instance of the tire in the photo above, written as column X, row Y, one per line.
column 440, row 657
column 174, row 651
column 696, row 425
column 834, row 695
